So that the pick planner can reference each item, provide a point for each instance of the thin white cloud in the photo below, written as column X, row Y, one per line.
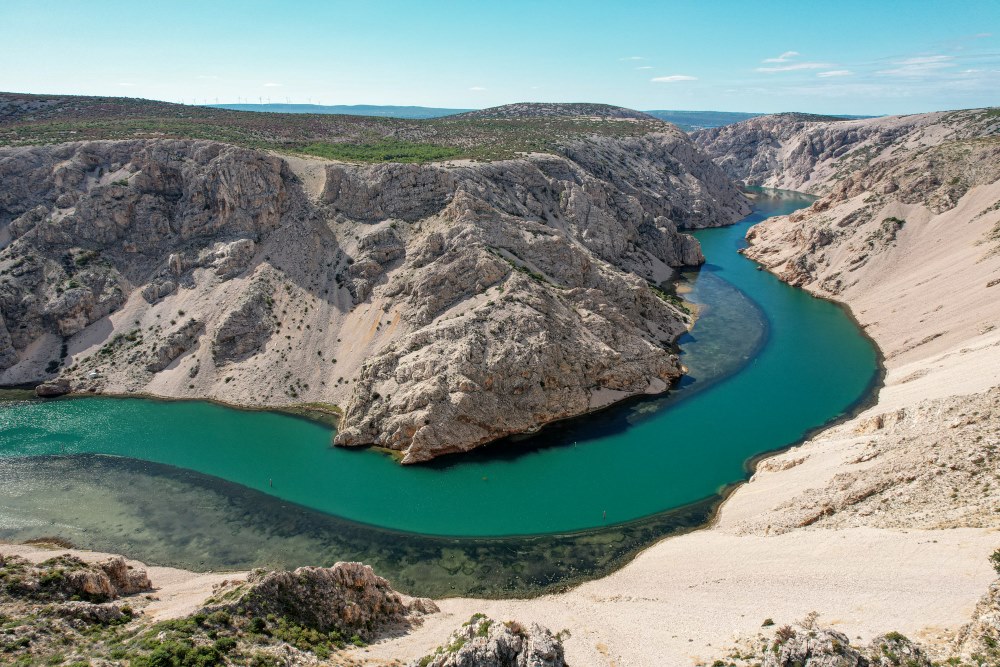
column 918, row 66
column 982, row 35
column 271, row 84
column 794, row 67
column 645, row 67
column 210, row 77
column 673, row 78
column 633, row 58
column 783, row 58
column 834, row 72
column 477, row 88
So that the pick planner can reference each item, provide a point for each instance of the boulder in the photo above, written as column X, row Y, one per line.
column 53, row 388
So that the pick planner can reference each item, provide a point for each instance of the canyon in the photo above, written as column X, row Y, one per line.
column 880, row 525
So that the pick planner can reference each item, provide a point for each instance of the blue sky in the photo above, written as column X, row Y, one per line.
column 848, row 56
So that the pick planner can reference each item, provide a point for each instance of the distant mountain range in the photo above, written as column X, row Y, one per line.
column 688, row 121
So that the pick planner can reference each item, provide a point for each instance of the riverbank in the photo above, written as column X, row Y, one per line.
column 881, row 523
column 775, row 552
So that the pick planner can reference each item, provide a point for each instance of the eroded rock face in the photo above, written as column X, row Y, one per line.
column 482, row 642
column 246, row 328
column 92, row 221
column 874, row 176
column 981, row 637
column 443, row 305
column 814, row 648
column 522, row 293
column 348, row 597
column 812, row 153
column 175, row 344
column 8, row 355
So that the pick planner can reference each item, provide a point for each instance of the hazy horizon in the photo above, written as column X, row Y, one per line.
column 874, row 59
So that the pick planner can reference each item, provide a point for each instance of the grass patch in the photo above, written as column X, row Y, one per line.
column 382, row 151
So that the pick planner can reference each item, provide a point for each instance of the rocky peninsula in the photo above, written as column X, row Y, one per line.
column 442, row 305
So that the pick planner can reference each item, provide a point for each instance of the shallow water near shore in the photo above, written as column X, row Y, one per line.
column 208, row 487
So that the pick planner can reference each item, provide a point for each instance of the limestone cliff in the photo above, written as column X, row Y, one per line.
column 445, row 304
column 813, row 153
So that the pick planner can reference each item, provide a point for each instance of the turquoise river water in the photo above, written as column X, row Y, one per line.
column 767, row 363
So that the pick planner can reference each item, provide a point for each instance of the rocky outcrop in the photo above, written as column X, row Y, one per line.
column 524, row 260
column 921, row 167
column 175, row 344
column 817, row 647
column 444, row 305
column 978, row 642
column 808, row 645
column 65, row 577
column 811, row 153
column 348, row 598
column 482, row 642
column 246, row 328
column 92, row 221
column 52, row 389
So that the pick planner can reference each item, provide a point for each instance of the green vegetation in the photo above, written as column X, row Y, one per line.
column 383, row 151
column 350, row 138
column 672, row 299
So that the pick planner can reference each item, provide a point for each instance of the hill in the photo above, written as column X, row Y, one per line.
column 46, row 119
column 521, row 110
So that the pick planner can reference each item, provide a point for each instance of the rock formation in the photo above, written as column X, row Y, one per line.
column 813, row 153
column 444, row 305
column 979, row 641
column 482, row 642
column 65, row 577
column 348, row 598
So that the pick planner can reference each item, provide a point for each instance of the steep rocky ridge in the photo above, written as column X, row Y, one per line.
column 813, row 153
column 906, row 235
column 444, row 305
